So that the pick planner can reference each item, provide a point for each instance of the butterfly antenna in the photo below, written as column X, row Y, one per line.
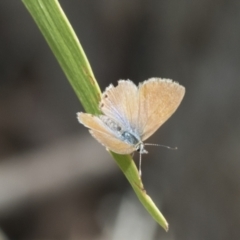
column 159, row 145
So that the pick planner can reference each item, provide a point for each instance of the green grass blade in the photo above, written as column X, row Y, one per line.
column 68, row 51
column 61, row 38
column 130, row 170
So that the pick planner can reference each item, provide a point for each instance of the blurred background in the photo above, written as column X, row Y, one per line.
column 58, row 183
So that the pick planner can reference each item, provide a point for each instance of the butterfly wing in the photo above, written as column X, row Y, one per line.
column 158, row 100
column 121, row 103
column 103, row 134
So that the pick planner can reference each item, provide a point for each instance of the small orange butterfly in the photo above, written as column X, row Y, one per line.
column 132, row 114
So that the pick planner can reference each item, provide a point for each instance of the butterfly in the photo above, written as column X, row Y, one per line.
column 131, row 114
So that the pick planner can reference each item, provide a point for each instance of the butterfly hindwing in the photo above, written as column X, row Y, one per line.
column 159, row 99
column 121, row 103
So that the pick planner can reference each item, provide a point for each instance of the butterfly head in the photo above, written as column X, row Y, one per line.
column 140, row 148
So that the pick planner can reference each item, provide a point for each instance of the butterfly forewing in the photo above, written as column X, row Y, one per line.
column 112, row 143
column 158, row 100
column 103, row 134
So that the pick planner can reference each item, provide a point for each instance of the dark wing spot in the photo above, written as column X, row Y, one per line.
column 105, row 96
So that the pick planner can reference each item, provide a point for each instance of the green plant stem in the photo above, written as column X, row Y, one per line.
column 68, row 51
